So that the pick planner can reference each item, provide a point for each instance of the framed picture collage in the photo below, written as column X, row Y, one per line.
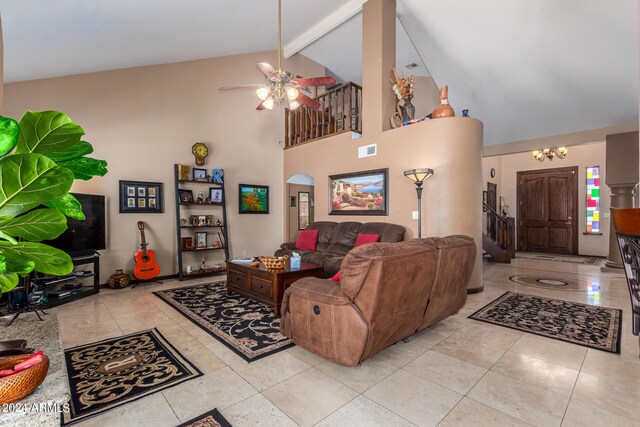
column 141, row 197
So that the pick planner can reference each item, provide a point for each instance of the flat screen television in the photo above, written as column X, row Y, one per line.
column 84, row 237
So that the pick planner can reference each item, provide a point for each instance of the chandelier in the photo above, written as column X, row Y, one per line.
column 550, row 153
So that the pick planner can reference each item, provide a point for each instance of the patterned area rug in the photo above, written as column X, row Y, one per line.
column 582, row 324
column 210, row 419
column 247, row 327
column 115, row 371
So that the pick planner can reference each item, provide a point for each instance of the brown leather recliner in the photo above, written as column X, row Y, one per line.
column 387, row 291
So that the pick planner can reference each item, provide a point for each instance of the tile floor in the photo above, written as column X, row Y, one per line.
column 458, row 373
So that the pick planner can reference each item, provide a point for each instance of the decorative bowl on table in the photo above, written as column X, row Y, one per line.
column 274, row 262
column 18, row 386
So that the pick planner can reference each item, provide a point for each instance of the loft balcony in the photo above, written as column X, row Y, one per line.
column 340, row 111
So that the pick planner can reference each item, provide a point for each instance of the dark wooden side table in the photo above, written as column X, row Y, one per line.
column 266, row 286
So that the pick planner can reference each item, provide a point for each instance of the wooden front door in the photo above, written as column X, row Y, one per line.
column 548, row 211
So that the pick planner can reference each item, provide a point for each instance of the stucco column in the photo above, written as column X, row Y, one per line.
column 621, row 177
column 378, row 58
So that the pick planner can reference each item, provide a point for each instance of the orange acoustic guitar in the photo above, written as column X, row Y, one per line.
column 146, row 266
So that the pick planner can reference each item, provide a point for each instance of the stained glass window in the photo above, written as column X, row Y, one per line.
column 593, row 199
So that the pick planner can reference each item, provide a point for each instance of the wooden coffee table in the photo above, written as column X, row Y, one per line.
column 266, row 286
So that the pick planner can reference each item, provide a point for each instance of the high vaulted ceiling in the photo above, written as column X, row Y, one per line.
column 527, row 69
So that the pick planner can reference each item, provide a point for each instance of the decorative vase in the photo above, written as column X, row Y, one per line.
column 408, row 110
column 444, row 109
column 119, row 280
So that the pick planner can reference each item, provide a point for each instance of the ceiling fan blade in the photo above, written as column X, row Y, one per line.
column 315, row 81
column 261, row 106
column 267, row 69
column 240, row 87
column 309, row 102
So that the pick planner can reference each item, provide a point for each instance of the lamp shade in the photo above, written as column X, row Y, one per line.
column 418, row 175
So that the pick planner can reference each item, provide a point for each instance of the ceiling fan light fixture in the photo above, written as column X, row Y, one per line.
column 263, row 92
column 292, row 93
column 268, row 103
column 293, row 104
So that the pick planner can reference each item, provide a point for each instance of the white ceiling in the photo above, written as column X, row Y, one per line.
column 525, row 68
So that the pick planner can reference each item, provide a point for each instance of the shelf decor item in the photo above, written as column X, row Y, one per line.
column 444, row 109
column 215, row 195
column 359, row 193
column 183, row 172
column 218, row 176
column 118, row 280
column 201, row 239
column 186, row 243
column 200, row 175
column 141, row 197
column 186, row 196
column 254, row 199
column 403, row 89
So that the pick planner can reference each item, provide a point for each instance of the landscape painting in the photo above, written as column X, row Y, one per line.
column 254, row 199
column 359, row 193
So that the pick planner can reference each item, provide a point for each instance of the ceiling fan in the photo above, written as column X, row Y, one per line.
column 280, row 84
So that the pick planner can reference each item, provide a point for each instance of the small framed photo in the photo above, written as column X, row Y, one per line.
column 201, row 239
column 202, row 220
column 211, row 220
column 193, row 219
column 140, row 197
column 199, row 174
column 215, row 194
column 217, row 176
column 186, row 243
column 186, row 196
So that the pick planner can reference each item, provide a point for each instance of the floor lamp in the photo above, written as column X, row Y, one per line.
column 418, row 176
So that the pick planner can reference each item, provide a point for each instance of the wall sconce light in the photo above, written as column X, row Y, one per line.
column 550, row 153
column 418, row 176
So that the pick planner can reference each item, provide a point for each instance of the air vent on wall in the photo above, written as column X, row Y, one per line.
column 367, row 150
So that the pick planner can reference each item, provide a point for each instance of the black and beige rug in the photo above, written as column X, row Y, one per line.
column 247, row 327
column 115, row 371
column 575, row 259
column 209, row 419
column 582, row 324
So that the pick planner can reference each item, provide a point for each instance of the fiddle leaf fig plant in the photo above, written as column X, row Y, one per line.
column 40, row 157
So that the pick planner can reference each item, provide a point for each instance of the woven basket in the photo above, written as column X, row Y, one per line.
column 274, row 263
column 18, row 386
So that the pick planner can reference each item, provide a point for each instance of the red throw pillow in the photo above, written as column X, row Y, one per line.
column 366, row 238
column 307, row 240
column 336, row 278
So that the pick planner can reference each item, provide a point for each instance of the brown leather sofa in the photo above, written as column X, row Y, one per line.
column 387, row 291
column 336, row 239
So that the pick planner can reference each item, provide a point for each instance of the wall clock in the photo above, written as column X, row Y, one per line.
column 200, row 151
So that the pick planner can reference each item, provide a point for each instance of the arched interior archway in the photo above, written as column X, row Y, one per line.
column 300, row 204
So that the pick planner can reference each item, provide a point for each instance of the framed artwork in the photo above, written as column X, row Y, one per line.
column 303, row 210
column 141, row 197
column 217, row 176
column 359, row 193
column 201, row 239
column 253, row 199
column 215, row 194
column 186, row 243
column 199, row 174
column 186, row 196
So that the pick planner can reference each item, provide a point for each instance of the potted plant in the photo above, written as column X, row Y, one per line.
column 40, row 157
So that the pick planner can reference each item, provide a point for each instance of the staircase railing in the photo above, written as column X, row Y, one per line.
column 505, row 230
column 340, row 111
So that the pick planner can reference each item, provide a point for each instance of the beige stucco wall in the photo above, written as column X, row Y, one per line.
column 452, row 197
column 143, row 120
column 585, row 155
